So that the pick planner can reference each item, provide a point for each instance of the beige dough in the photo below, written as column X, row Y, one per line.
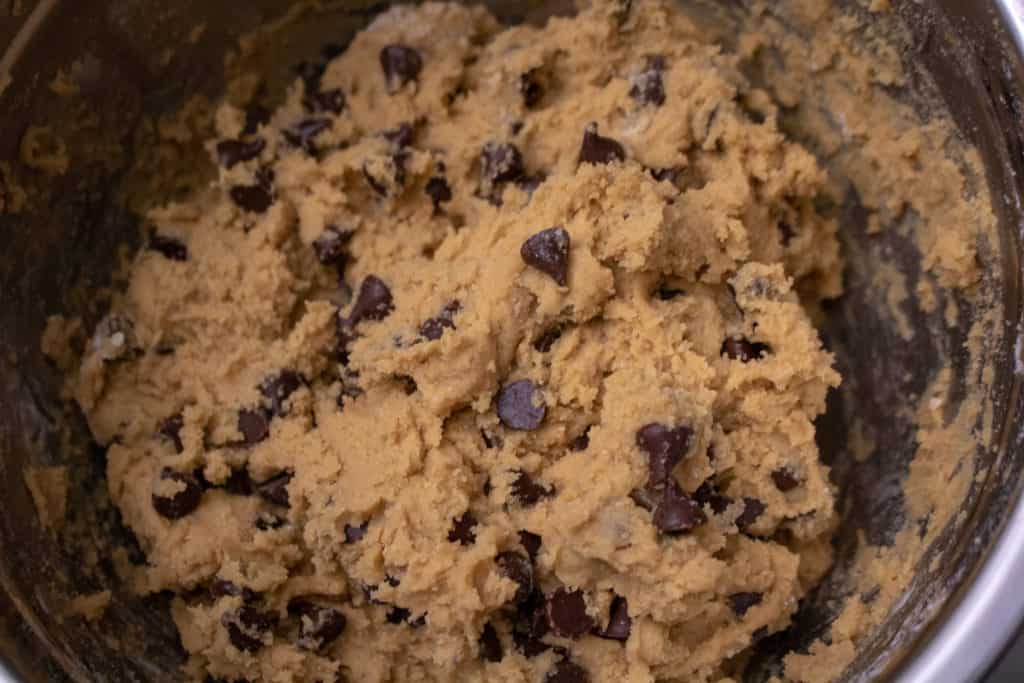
column 683, row 305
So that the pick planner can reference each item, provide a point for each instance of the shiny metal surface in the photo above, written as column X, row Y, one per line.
column 956, row 617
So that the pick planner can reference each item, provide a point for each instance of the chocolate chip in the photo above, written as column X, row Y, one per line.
column 397, row 615
column 349, row 390
column 490, row 645
column 239, row 482
column 648, row 86
column 171, row 248
column 409, row 386
column 744, row 350
column 529, row 492
column 548, row 252
column 256, row 116
column 433, row 328
column 531, row 88
column 170, row 429
column 665, row 448
column 401, row 64
column 400, row 137
column 518, row 568
column 741, row 602
column 520, row 405
column 664, row 293
column 268, row 521
column 463, row 529
column 181, row 503
column 752, row 510
column 438, row 190
column 567, row 613
column 247, row 627
column 332, row 101
column 254, row 425
column 786, row 232
column 354, row 534
column 220, row 588
column 499, row 163
column 547, row 339
column 619, row 621
column 275, row 489
column 597, row 149
column 784, row 479
column 531, row 543
column 677, row 513
column 531, row 625
column 566, row 671
column 251, row 198
column 331, row 246
column 707, row 494
column 304, row 132
column 374, row 301
column 233, row 152
column 278, row 388
column 581, row 442
column 319, row 626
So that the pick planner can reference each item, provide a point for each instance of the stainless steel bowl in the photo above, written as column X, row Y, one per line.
column 138, row 59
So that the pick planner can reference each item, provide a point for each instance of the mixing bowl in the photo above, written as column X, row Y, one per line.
column 137, row 61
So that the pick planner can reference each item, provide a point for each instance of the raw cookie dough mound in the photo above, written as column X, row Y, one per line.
column 484, row 359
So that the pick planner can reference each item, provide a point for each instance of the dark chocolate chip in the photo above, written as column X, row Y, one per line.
column 566, row 671
column 182, row 503
column 597, row 149
column 433, row 328
column 354, row 534
column 581, row 442
column 786, row 232
column 233, row 152
column 170, row 429
column 463, row 529
column 247, row 627
column 332, row 101
column 518, row 568
column 530, row 183
column 254, row 425
column 409, row 386
column 530, row 542
column 744, row 350
column 438, row 190
column 548, row 252
column 677, row 513
column 239, row 482
column 400, row 64
column 490, row 645
column 567, row 613
column 784, row 479
column 319, row 626
column 499, row 163
column 531, row 88
column 547, row 339
column 707, row 494
column 741, row 602
column 268, row 521
column 531, row 625
column 527, row 491
column 619, row 621
column 665, row 448
column 520, row 405
column 251, row 198
column 645, row 498
column 374, row 301
column 256, row 116
column 303, row 133
column 752, row 510
column 171, row 248
column 331, row 246
column 275, row 489
column 402, row 136
column 397, row 615
column 278, row 388
column 220, row 588
column 648, row 86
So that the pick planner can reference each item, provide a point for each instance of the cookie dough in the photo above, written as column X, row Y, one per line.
column 487, row 357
